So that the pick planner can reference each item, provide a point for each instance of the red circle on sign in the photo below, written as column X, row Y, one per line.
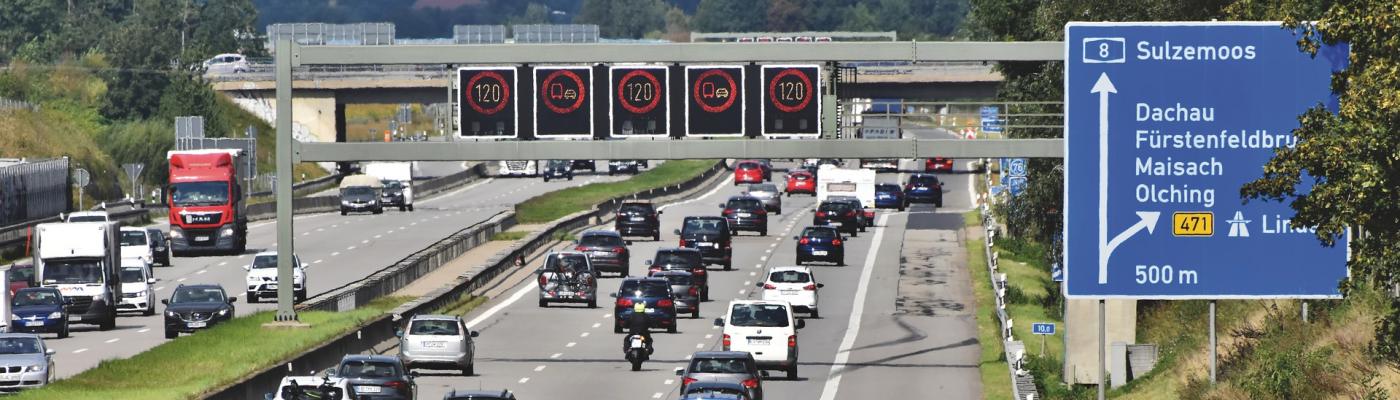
column 806, row 97
column 655, row 98
column 548, row 101
column 505, row 93
column 699, row 99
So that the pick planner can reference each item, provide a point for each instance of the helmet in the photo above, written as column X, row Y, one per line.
column 639, row 307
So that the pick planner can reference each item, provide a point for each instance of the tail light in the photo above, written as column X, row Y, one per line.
column 580, row 248
column 543, row 280
column 695, row 291
column 728, row 211
column 726, row 342
column 683, row 243
column 792, row 340
column 821, row 213
column 810, row 286
column 751, row 383
column 654, row 269
column 698, row 271
column 663, row 303
column 850, row 213
column 834, row 242
column 619, row 250
column 688, row 380
column 624, row 302
column 761, row 211
column 397, row 385
column 803, row 241
column 769, row 286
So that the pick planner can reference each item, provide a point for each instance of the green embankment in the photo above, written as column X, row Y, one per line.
column 554, row 205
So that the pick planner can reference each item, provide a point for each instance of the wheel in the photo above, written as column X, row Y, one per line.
column 593, row 304
column 862, row 227
column 763, row 232
column 110, row 323
column 546, row 179
column 728, row 265
column 403, row 208
column 792, row 373
column 469, row 370
column 672, row 328
column 696, row 313
column 800, row 261
column 169, row 334
column 705, row 293
column 617, row 328
column 733, row 233
column 841, row 262
column 410, row 208
column 63, row 333
column 854, row 233
column 816, row 314
column 901, row 207
column 656, row 237
column 571, row 177
column 789, row 194
column 379, row 211
column 544, row 303
column 252, row 297
column 342, row 212
column 636, row 365
column 150, row 310
column 778, row 211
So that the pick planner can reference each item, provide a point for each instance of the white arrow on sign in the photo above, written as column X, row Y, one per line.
column 1146, row 219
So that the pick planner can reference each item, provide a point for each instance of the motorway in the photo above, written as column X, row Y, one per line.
column 903, row 307
column 339, row 249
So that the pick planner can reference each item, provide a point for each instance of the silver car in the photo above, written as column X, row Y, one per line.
column 724, row 366
column 25, row 360
column 770, row 195
column 568, row 277
column 437, row 342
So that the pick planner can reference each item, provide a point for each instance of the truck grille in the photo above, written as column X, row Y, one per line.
column 517, row 165
column 203, row 218
column 80, row 304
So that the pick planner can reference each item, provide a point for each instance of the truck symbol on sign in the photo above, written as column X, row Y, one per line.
column 558, row 92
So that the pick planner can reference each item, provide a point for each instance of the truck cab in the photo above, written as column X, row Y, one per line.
column 82, row 261
column 207, row 207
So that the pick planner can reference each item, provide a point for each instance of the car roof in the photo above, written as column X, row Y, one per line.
column 715, row 384
column 922, row 175
column 602, row 233
column 369, row 357
column 644, row 278
column 705, row 217
column 201, row 286
column 677, row 250
column 39, row 289
column 468, row 394
column 646, row 202
column 743, row 301
column 791, row 268
column 670, row 272
column 826, row 227
column 435, row 317
column 742, row 197
column 720, row 354
column 20, row 335
column 133, row 229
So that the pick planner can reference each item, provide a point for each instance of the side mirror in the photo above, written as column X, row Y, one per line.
column 658, row 212
column 678, row 231
column 680, row 372
column 162, row 301
column 796, row 238
column 50, row 352
column 247, row 268
column 413, row 374
column 821, row 285
column 759, row 284
column 304, row 265
column 801, row 323
column 763, row 373
column 329, row 372
column 629, row 242
column 647, row 262
column 719, row 321
column 612, row 295
column 398, row 334
column 721, row 205
column 150, row 281
column 575, row 241
column 476, row 333
column 233, row 299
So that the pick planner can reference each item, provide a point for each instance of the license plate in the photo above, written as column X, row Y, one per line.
column 198, row 324
column 75, row 318
column 745, row 215
column 788, row 292
column 201, row 238
column 33, row 323
column 818, row 252
column 367, row 389
column 834, row 223
column 433, row 344
column 272, row 286
column 638, row 219
column 650, row 310
column 759, row 342
column 601, row 254
column 705, row 244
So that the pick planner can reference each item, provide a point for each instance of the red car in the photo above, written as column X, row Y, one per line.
column 938, row 164
column 801, row 182
column 21, row 276
column 748, row 171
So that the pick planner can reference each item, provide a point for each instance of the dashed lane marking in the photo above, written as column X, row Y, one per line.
column 112, row 340
column 556, row 355
column 144, row 330
column 571, row 344
column 525, row 379
column 539, row 368
column 79, row 351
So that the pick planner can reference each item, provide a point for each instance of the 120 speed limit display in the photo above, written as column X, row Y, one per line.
column 563, row 106
column 791, row 100
column 640, row 105
column 486, row 99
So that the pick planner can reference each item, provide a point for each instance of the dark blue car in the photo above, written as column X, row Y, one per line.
column 889, row 195
column 924, row 188
column 655, row 292
column 821, row 243
column 39, row 310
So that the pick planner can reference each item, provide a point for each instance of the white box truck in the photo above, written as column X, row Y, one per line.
column 82, row 260
column 518, row 168
column 397, row 178
column 833, row 181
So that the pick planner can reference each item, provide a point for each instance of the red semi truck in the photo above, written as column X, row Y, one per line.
column 207, row 208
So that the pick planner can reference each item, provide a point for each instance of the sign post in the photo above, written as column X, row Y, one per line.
column 81, row 178
column 1043, row 329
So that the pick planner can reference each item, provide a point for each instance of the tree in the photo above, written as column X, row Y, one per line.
column 731, row 16
column 535, row 13
column 860, row 19
column 624, row 18
column 787, row 16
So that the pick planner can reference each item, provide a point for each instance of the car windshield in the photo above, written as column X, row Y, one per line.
column 368, row 369
column 440, row 327
column 766, row 187
column 72, row 272
column 21, row 274
column 762, row 315
column 199, row 193
column 676, row 279
column 718, row 366
column 601, row 241
column 134, row 275
column 559, row 164
column 834, row 206
column 635, row 208
column 570, row 262
column 87, row 218
column 924, row 180
column 392, row 185
column 358, row 191
column 19, row 345
column 676, row 257
column 819, row 233
column 744, row 204
column 198, row 295
column 133, row 238
column 644, row 289
column 36, row 298
column 789, row 277
column 261, row 262
column 702, row 226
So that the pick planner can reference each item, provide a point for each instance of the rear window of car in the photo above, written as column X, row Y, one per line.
column 677, row 257
column 676, row 279
column 924, row 180
column 368, row 369
column 834, row 206
column 600, row 241
column 760, row 315
column 766, row 187
column 801, row 177
column 887, row 187
column 748, row 165
column 719, row 366
column 571, row 262
column 789, row 277
column 821, row 233
column 703, row 226
column 744, row 204
column 635, row 208
column 434, row 327
column 644, row 289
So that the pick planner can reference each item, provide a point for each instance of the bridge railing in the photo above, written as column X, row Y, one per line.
column 259, row 71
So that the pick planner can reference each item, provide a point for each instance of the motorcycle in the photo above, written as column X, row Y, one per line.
column 637, row 351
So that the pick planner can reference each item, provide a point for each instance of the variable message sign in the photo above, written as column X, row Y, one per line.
column 714, row 101
column 563, row 108
column 792, row 101
column 487, row 101
column 640, row 101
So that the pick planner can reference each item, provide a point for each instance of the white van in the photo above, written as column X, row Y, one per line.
column 136, row 244
column 766, row 329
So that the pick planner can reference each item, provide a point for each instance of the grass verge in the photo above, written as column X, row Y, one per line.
column 189, row 366
column 509, row 235
column 996, row 381
column 554, row 205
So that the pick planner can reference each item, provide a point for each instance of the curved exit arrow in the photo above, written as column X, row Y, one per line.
column 1146, row 219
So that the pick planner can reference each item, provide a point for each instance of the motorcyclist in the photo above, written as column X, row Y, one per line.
column 638, row 324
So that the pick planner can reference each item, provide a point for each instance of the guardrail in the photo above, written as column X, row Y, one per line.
column 18, row 234
column 382, row 329
column 330, row 203
column 314, row 185
column 1022, row 383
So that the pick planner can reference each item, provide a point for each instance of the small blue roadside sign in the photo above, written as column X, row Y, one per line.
column 1015, row 185
column 991, row 119
column 1043, row 328
column 1164, row 122
column 1016, row 167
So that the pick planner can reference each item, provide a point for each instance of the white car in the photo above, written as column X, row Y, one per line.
column 796, row 285
column 229, row 63
column 310, row 387
column 765, row 329
column 136, row 243
column 87, row 216
column 136, row 288
column 262, row 277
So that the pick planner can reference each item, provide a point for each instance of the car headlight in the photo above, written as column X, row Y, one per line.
column 226, row 231
column 373, row 202
column 55, row 315
column 175, row 233
column 138, row 294
column 34, row 368
column 172, row 314
column 223, row 312
column 345, row 202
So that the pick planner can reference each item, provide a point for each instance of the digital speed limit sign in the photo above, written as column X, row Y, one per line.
column 791, row 100
column 640, row 105
column 487, row 99
column 563, row 102
column 714, row 100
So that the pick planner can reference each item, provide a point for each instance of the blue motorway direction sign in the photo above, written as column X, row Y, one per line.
column 990, row 120
column 1043, row 328
column 1164, row 122
column 1015, row 185
column 1016, row 167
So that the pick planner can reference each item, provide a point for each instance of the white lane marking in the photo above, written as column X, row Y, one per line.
column 774, row 245
column 180, row 280
column 746, row 283
column 843, row 353
column 752, row 273
column 144, row 330
column 349, row 248
column 718, row 186
column 412, row 223
column 223, row 263
column 315, row 262
column 306, row 233
column 364, row 241
column 656, row 395
column 79, row 351
column 525, row 379
column 699, row 345
column 765, row 258
column 556, row 355
column 758, row 265
column 112, row 340
column 597, row 324
column 539, row 368
column 687, row 356
column 320, row 229
column 201, row 271
column 607, row 315
column 378, row 236
column 335, row 253
column 497, row 308
column 585, row 334
column 403, row 228
column 160, row 288
column 571, row 344
column 743, row 291
column 709, row 336
column 669, row 382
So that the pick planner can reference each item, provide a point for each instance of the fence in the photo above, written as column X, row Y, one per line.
column 1022, row 383
column 7, row 104
column 31, row 190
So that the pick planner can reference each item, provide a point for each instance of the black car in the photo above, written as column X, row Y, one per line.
column 924, row 188
column 710, row 235
column 375, row 377
column 606, row 250
column 860, row 210
column 392, row 196
column 558, row 169
column 39, row 310
column 746, row 213
column 160, row 246
column 682, row 259
column 840, row 215
column 638, row 218
column 655, row 293
column 624, row 166
column 479, row 395
column 195, row 307
column 584, row 164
